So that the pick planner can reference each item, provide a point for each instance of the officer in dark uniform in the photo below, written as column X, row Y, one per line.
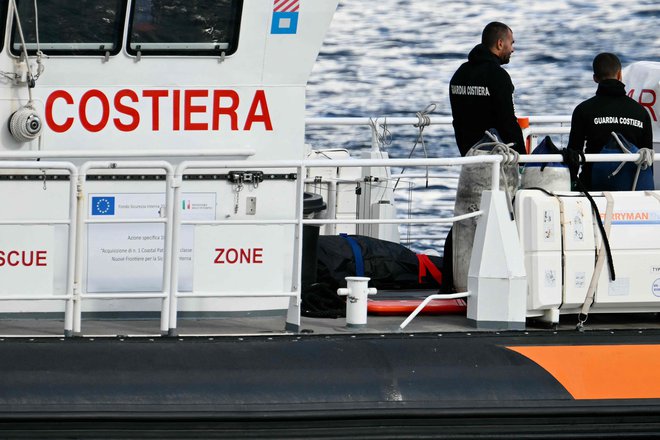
column 609, row 111
column 481, row 97
column 481, row 92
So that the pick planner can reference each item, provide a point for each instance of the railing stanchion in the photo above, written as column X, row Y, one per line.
column 176, row 229
column 495, row 182
column 168, row 252
column 293, row 311
column 80, row 233
column 71, row 253
column 331, row 204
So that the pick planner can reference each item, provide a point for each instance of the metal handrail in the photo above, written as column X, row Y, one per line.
column 77, row 220
column 164, row 294
column 445, row 121
column 293, row 315
column 124, row 154
column 68, row 296
column 434, row 120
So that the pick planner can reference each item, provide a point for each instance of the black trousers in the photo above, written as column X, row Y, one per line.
column 448, row 265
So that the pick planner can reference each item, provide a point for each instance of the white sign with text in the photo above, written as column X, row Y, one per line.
column 129, row 257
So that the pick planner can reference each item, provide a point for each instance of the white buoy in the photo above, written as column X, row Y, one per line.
column 356, row 293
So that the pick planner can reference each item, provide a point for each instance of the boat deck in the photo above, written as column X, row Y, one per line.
column 273, row 324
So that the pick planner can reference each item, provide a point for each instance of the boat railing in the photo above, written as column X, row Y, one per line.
column 70, row 221
column 77, row 221
column 538, row 125
column 382, row 127
column 301, row 167
column 80, row 294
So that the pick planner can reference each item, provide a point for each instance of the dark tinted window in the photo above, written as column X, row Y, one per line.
column 71, row 26
column 3, row 20
column 207, row 27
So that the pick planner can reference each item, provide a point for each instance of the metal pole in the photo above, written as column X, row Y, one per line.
column 167, row 252
column 80, row 229
column 427, row 300
column 293, row 313
column 71, row 252
column 495, row 182
column 176, row 229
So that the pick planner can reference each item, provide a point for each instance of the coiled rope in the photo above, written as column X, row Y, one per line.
column 25, row 123
column 510, row 157
column 383, row 138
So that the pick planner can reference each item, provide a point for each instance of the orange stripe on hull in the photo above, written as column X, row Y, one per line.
column 601, row 371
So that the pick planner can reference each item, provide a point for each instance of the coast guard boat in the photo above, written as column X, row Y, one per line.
column 160, row 211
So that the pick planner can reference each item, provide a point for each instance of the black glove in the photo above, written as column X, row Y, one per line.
column 573, row 159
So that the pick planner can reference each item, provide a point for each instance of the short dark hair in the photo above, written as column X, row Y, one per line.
column 493, row 32
column 606, row 66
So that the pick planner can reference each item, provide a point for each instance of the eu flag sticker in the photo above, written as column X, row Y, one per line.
column 103, row 205
column 285, row 17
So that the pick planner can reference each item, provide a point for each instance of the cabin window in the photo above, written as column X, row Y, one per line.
column 3, row 20
column 184, row 27
column 66, row 27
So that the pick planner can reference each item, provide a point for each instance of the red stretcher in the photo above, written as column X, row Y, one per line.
column 397, row 303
